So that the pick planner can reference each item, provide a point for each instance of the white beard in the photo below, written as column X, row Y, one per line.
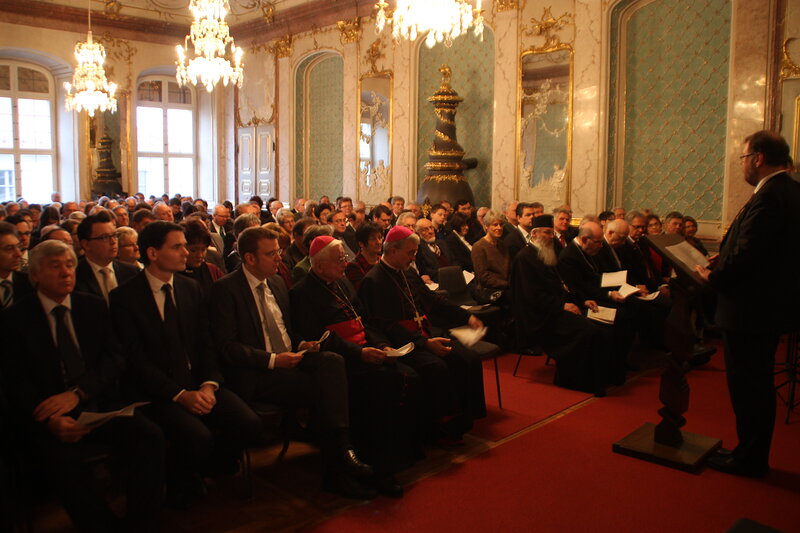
column 546, row 253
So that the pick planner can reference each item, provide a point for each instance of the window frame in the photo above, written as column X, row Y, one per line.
column 165, row 154
column 16, row 150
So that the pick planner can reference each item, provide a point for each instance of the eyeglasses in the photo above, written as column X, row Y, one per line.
column 274, row 253
column 105, row 237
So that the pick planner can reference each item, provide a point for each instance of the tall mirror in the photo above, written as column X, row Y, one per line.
column 375, row 137
column 544, row 152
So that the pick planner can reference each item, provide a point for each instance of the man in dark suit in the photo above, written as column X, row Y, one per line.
column 296, row 251
column 760, row 247
column 265, row 360
column 98, row 271
column 563, row 232
column 165, row 332
column 433, row 253
column 62, row 360
column 14, row 284
column 517, row 238
column 221, row 222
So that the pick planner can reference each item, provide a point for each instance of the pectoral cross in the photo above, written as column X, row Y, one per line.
column 358, row 319
column 418, row 319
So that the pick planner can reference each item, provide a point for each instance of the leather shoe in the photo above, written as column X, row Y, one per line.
column 388, row 486
column 730, row 465
column 701, row 354
column 353, row 465
column 349, row 487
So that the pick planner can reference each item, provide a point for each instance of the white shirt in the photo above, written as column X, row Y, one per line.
column 765, row 179
column 101, row 280
column 273, row 308
column 525, row 234
column 219, row 229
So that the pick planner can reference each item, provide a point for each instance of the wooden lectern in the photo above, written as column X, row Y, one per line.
column 665, row 443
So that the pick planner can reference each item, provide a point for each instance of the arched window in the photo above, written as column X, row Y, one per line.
column 165, row 137
column 27, row 132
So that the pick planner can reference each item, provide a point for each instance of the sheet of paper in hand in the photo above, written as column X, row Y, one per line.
column 94, row 420
column 401, row 351
column 614, row 279
column 604, row 315
column 468, row 336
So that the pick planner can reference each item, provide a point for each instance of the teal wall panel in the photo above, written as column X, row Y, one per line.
column 325, row 102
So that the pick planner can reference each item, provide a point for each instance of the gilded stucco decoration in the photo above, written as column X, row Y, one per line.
column 506, row 5
column 548, row 27
column 256, row 98
column 350, row 30
column 267, row 9
column 789, row 69
column 119, row 51
column 373, row 54
column 112, row 8
column 282, row 47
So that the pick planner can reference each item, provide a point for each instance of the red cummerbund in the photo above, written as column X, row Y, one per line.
column 352, row 331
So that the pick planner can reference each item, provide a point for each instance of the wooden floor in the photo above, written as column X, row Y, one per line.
column 286, row 496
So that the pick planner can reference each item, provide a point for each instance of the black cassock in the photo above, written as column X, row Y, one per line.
column 405, row 310
column 384, row 398
column 580, row 347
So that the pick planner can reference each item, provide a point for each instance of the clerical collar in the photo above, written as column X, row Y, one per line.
column 389, row 266
column 765, row 179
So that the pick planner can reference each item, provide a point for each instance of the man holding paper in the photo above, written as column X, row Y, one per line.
column 758, row 290
column 266, row 360
column 62, row 360
column 383, row 390
column 399, row 304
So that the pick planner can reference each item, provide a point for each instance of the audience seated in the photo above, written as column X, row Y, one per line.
column 198, row 239
column 242, row 222
column 369, row 238
column 516, row 239
column 460, row 248
column 304, row 265
column 490, row 256
column 128, row 242
column 432, row 254
column 14, row 283
column 297, row 251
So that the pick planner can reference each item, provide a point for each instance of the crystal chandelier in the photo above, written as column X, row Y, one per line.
column 90, row 90
column 443, row 20
column 210, row 38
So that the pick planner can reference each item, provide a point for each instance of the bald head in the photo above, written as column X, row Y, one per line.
column 590, row 237
column 617, row 232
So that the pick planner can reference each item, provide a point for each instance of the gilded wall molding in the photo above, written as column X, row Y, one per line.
column 548, row 27
column 119, row 50
column 373, row 54
column 350, row 30
column 789, row 69
column 282, row 47
column 506, row 5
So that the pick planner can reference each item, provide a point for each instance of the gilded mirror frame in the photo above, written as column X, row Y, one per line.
column 519, row 133
column 360, row 187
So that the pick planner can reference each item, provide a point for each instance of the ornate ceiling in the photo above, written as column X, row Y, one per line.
column 163, row 21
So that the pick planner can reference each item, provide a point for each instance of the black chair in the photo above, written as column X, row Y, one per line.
column 279, row 420
column 451, row 279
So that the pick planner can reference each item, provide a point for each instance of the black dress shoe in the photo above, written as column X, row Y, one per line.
column 349, row 487
column 388, row 486
column 730, row 465
column 701, row 354
column 353, row 465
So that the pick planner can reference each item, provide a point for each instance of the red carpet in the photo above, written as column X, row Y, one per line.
column 563, row 476
column 528, row 397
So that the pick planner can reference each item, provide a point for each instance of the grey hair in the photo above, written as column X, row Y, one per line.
column 397, row 244
column 77, row 215
column 47, row 249
column 634, row 214
column 282, row 214
column 404, row 215
column 325, row 252
column 47, row 230
column 127, row 232
column 490, row 217
column 614, row 225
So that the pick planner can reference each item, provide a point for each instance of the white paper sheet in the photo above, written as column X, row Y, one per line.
column 474, row 308
column 468, row 336
column 605, row 315
column 91, row 419
column 614, row 279
column 649, row 297
column 626, row 290
column 688, row 255
column 401, row 351
column 321, row 339
column 432, row 286
column 468, row 276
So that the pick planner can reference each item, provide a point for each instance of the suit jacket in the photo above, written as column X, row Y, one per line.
column 86, row 281
column 156, row 372
column 459, row 254
column 640, row 269
column 238, row 333
column 428, row 263
column 581, row 273
column 32, row 364
column 20, row 287
column 515, row 242
column 350, row 238
column 293, row 255
column 760, row 247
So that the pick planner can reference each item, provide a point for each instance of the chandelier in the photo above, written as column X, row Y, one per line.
column 90, row 90
column 210, row 38
column 443, row 20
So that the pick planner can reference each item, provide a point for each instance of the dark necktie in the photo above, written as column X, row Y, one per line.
column 173, row 328
column 70, row 354
column 435, row 248
column 8, row 293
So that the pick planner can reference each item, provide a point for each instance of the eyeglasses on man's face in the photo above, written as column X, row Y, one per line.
column 104, row 237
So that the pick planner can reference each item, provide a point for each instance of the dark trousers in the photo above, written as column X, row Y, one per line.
column 319, row 381
column 582, row 351
column 750, row 366
column 193, row 440
column 134, row 441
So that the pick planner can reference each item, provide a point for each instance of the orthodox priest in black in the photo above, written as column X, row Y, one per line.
column 384, row 392
column 549, row 315
column 397, row 302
